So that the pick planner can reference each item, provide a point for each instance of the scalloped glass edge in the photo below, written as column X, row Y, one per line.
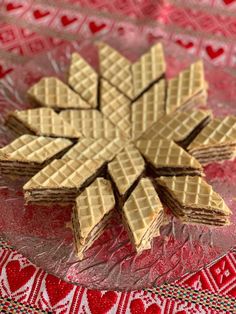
column 40, row 232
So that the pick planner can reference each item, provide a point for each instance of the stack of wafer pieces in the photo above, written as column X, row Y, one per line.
column 53, row 93
column 90, row 148
column 40, row 121
column 116, row 69
column 148, row 69
column 62, row 180
column 125, row 170
column 216, row 142
column 166, row 158
column 180, row 127
column 91, row 213
column 116, row 107
column 193, row 200
column 91, row 124
column 132, row 79
column 143, row 215
column 148, row 108
column 83, row 79
column 28, row 154
column 187, row 89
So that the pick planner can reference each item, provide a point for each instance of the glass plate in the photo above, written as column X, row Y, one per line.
column 41, row 233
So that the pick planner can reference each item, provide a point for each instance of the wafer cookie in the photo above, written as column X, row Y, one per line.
column 143, row 215
column 53, row 93
column 83, row 79
column 92, row 210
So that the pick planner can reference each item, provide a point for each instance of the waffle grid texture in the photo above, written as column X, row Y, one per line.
column 53, row 93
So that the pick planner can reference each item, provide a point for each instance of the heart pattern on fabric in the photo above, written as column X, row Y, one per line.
column 4, row 72
column 13, row 6
column 65, row 20
column 214, row 53
column 57, row 289
column 39, row 14
column 186, row 45
column 17, row 277
column 137, row 307
column 227, row 2
column 96, row 27
column 101, row 304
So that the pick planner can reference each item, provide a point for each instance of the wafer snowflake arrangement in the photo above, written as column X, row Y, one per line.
column 123, row 139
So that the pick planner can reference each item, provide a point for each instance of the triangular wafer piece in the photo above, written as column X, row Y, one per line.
column 53, row 93
column 143, row 215
column 193, row 200
column 40, row 121
column 28, row 154
column 148, row 108
column 116, row 107
column 83, row 79
column 91, row 123
column 126, row 168
column 62, row 180
column 181, row 127
column 167, row 158
column 148, row 69
column 116, row 69
column 90, row 148
column 185, row 87
column 216, row 142
column 91, row 213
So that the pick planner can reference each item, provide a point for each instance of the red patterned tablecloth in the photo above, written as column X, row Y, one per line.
column 206, row 28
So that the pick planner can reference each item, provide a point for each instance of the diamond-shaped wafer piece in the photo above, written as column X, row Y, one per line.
column 126, row 168
column 193, row 200
column 90, row 148
column 91, row 123
column 167, row 158
column 148, row 69
column 83, row 79
column 62, row 180
column 148, row 108
column 116, row 69
column 180, row 127
column 53, row 93
column 91, row 212
column 40, row 121
column 116, row 107
column 28, row 154
column 143, row 214
column 217, row 141
column 187, row 85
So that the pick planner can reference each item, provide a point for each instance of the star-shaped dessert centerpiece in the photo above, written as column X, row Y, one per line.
column 124, row 138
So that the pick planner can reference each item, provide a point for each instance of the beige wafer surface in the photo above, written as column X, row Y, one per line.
column 116, row 69
column 83, row 79
column 33, row 148
column 101, row 148
column 64, row 174
column 91, row 123
column 116, row 107
column 148, row 108
column 185, row 85
column 165, row 153
column 44, row 121
column 93, row 204
column 217, row 132
column 193, row 192
column 51, row 92
column 141, row 209
column 149, row 68
column 126, row 168
column 176, row 126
